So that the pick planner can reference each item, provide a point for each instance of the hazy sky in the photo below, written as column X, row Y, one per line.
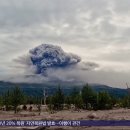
column 96, row 30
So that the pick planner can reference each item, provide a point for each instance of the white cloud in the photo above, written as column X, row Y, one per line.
column 96, row 30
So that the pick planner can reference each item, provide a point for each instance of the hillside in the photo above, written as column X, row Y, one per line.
column 37, row 89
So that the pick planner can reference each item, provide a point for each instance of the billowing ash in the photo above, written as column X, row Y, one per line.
column 50, row 56
column 49, row 63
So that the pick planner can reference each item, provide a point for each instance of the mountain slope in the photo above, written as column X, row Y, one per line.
column 37, row 89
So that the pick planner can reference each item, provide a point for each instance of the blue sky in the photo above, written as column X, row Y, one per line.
column 97, row 30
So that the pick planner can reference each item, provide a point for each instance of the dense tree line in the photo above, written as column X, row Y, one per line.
column 14, row 98
column 87, row 98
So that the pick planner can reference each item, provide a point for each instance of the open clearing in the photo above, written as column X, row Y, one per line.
column 117, row 114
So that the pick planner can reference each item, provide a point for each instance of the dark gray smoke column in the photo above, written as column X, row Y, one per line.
column 50, row 56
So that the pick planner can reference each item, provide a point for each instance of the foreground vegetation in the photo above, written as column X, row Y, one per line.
column 87, row 98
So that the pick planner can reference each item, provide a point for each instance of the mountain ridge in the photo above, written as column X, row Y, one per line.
column 36, row 89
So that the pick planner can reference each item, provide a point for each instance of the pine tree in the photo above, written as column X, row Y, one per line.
column 58, row 99
column 78, row 102
column 17, row 98
column 74, row 94
column 6, row 100
column 104, row 101
column 89, row 96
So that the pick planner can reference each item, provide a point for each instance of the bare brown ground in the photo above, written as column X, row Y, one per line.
column 117, row 114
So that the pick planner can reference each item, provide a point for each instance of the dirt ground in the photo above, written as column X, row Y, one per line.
column 117, row 114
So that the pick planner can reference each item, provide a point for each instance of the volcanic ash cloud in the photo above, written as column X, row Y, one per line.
column 47, row 56
column 48, row 62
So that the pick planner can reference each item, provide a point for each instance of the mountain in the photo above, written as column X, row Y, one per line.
column 37, row 89
column 117, row 92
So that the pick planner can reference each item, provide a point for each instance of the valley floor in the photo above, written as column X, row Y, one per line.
column 117, row 114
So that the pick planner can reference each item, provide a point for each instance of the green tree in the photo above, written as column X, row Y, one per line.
column 74, row 94
column 126, row 102
column 115, row 101
column 68, row 101
column 78, row 102
column 50, row 103
column 58, row 99
column 89, row 97
column 6, row 100
column 17, row 98
column 1, row 101
column 104, row 101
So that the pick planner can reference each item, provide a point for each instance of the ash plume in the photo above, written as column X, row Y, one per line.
column 52, row 63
